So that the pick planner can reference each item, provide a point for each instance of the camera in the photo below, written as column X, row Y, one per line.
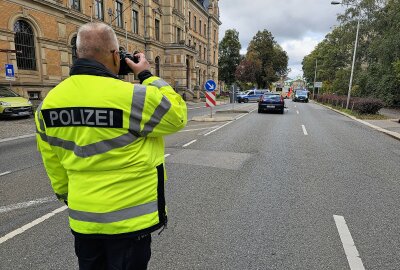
column 124, row 69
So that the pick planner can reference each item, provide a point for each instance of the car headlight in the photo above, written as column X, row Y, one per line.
column 29, row 102
column 3, row 103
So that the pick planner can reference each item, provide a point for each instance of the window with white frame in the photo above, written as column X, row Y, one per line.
column 135, row 21
column 99, row 9
column 118, row 14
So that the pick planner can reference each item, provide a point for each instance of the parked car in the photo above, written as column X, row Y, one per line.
column 271, row 101
column 251, row 95
column 300, row 95
column 13, row 105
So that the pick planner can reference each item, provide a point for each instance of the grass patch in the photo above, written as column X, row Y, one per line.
column 358, row 115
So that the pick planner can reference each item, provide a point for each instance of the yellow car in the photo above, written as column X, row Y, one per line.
column 13, row 105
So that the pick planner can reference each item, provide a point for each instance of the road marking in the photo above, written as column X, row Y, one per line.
column 208, row 133
column 195, row 129
column 189, row 143
column 16, row 138
column 297, row 112
column 4, row 173
column 166, row 155
column 304, row 130
column 353, row 257
column 31, row 224
column 16, row 206
column 196, row 108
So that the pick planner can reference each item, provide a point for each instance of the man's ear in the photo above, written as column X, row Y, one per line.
column 116, row 58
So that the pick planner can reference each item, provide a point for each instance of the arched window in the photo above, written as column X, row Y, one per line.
column 73, row 44
column 25, row 42
column 157, row 66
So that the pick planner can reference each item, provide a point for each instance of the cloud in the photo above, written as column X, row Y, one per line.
column 296, row 25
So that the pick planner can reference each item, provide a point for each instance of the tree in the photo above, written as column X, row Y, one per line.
column 229, row 56
column 273, row 59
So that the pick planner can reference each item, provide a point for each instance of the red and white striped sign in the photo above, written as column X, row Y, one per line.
column 210, row 99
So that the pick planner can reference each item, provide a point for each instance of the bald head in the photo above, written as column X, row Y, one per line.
column 95, row 41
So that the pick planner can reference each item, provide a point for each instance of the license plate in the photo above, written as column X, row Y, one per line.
column 270, row 106
column 23, row 113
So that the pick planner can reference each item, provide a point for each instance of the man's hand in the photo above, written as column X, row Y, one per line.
column 139, row 67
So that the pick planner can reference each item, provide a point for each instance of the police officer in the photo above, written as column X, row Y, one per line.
column 101, row 141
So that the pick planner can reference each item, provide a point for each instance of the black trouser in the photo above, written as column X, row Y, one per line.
column 113, row 254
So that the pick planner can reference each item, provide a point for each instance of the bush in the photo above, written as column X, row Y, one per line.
column 361, row 105
column 367, row 105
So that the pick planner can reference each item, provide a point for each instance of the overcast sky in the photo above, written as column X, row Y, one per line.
column 297, row 25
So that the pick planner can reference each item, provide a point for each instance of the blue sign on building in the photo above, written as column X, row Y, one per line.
column 9, row 72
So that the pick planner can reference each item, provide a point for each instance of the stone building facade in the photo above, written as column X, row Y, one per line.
column 179, row 38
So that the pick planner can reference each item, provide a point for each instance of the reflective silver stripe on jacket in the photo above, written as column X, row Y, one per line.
column 115, row 216
column 137, row 106
column 157, row 116
column 159, row 83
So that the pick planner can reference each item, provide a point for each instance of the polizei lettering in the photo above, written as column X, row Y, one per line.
column 78, row 116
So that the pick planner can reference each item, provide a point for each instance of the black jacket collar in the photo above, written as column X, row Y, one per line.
column 83, row 66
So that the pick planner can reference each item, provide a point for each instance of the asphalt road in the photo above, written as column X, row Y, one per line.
column 260, row 192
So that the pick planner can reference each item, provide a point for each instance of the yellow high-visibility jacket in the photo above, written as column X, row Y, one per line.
column 101, row 141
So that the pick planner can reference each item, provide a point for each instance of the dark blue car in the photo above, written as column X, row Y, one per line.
column 271, row 102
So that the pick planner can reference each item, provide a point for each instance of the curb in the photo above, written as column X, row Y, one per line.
column 392, row 134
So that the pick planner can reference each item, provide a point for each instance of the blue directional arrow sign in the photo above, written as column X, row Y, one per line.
column 210, row 86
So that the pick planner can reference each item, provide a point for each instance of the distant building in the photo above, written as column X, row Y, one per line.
column 179, row 38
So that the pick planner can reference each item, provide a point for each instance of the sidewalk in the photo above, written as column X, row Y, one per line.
column 389, row 126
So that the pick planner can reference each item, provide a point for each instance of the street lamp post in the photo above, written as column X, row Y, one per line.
column 354, row 55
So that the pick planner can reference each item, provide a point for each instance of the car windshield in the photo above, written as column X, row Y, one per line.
column 301, row 93
column 4, row 92
column 273, row 97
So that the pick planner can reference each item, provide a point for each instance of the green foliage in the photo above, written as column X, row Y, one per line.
column 377, row 68
column 270, row 59
column 229, row 56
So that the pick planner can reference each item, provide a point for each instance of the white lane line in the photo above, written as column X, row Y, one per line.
column 304, row 130
column 16, row 206
column 353, row 257
column 19, row 137
column 31, row 224
column 196, row 108
column 4, row 173
column 297, row 112
column 189, row 143
column 195, row 129
column 166, row 155
column 208, row 133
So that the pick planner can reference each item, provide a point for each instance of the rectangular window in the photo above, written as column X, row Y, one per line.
column 178, row 34
column 214, row 58
column 75, row 4
column 99, row 10
column 200, row 27
column 199, row 51
column 205, row 30
column 194, row 23
column 205, row 52
column 135, row 21
column 118, row 14
column 157, row 29
column 190, row 20
column 34, row 95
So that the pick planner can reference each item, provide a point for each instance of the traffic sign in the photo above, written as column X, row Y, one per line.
column 318, row 84
column 210, row 85
column 210, row 99
column 9, row 72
